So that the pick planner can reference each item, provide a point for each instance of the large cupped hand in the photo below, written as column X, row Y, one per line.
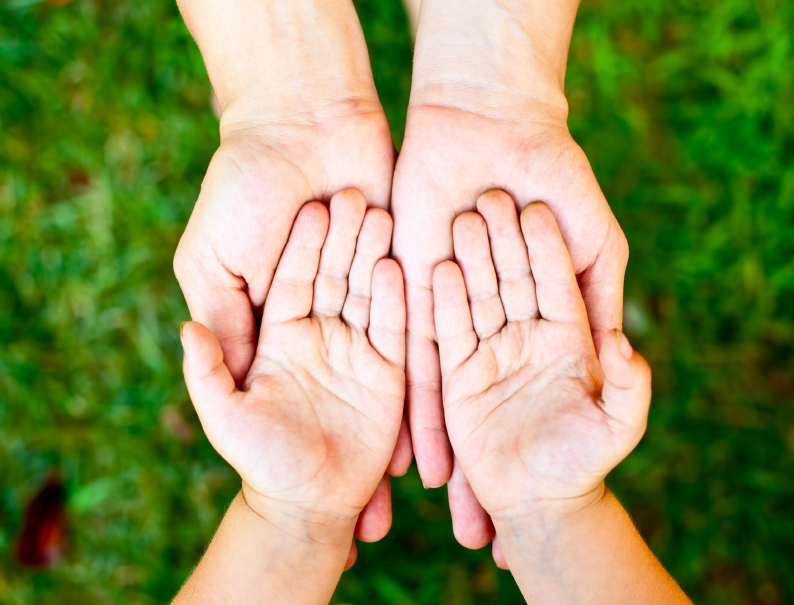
column 301, row 121
column 488, row 112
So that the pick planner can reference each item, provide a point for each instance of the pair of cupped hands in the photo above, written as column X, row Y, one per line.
column 535, row 420
column 354, row 310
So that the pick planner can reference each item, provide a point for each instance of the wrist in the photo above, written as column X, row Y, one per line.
column 281, row 61
column 313, row 527
column 252, row 117
column 539, row 524
column 490, row 57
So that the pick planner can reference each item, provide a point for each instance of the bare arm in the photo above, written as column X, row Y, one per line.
column 586, row 555
column 264, row 558
column 280, row 59
column 536, row 417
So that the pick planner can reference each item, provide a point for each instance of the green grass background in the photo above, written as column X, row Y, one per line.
column 686, row 110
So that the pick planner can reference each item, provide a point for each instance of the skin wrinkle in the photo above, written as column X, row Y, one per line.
column 324, row 381
column 258, row 129
column 512, row 377
column 302, row 538
column 328, row 449
column 284, row 156
column 503, row 119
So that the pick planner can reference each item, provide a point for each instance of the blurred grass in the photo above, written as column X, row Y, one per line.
column 685, row 110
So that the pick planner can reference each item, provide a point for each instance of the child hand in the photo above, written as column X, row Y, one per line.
column 533, row 417
column 314, row 427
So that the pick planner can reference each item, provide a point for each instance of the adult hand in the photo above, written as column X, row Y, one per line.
column 487, row 112
column 300, row 121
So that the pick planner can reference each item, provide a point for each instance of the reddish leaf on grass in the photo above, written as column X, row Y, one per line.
column 43, row 536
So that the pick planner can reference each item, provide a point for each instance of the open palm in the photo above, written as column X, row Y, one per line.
column 524, row 392
column 314, row 427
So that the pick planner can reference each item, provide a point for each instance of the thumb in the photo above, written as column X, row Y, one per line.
column 208, row 380
column 627, row 382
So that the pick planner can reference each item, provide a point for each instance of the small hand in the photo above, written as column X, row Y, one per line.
column 314, row 426
column 533, row 417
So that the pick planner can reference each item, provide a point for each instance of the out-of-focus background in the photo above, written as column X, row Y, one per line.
column 686, row 111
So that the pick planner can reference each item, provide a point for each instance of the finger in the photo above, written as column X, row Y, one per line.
column 373, row 244
column 375, row 520
column 627, row 384
column 219, row 300
column 471, row 525
column 387, row 317
column 403, row 452
column 330, row 285
column 290, row 295
column 473, row 255
column 422, row 239
column 498, row 556
column 602, row 285
column 559, row 298
column 510, row 258
column 457, row 340
column 209, row 382
column 352, row 556
column 429, row 439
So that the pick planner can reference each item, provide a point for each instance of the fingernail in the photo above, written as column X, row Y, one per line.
column 526, row 209
column 624, row 345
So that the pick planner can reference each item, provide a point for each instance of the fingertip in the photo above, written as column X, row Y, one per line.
column 467, row 228
column 388, row 277
column 375, row 520
column 537, row 214
column 471, row 524
column 446, row 274
column 352, row 556
column 624, row 346
column 348, row 208
column 382, row 222
column 403, row 451
column 353, row 197
column 434, row 458
column 200, row 345
column 622, row 365
column 494, row 199
column 313, row 219
column 498, row 555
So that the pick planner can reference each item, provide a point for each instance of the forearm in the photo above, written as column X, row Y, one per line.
column 492, row 54
column 255, row 559
column 589, row 556
column 281, row 59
